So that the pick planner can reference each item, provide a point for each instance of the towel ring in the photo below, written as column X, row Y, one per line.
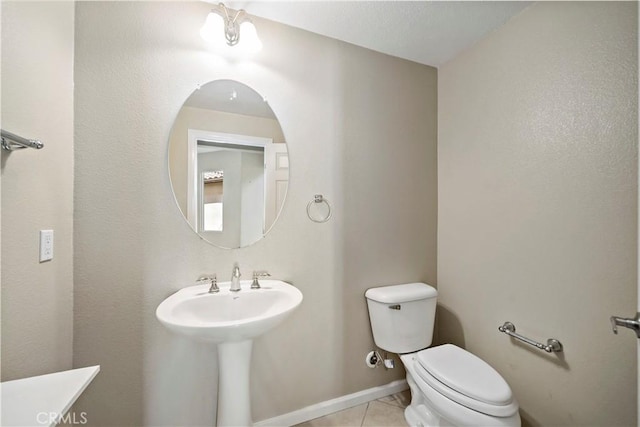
column 319, row 198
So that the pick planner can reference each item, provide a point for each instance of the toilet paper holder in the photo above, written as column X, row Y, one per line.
column 553, row 345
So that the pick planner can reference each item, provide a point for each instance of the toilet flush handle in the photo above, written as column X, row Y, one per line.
column 395, row 307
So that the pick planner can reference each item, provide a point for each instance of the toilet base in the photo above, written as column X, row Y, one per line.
column 418, row 413
column 429, row 408
column 420, row 416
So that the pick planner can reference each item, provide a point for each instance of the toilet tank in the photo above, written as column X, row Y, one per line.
column 402, row 316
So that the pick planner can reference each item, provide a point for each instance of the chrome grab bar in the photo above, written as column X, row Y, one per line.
column 553, row 345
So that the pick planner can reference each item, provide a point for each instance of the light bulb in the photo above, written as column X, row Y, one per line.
column 249, row 37
column 213, row 29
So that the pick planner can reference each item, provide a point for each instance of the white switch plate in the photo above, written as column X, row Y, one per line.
column 46, row 245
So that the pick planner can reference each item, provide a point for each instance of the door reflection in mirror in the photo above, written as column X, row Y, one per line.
column 242, row 159
column 212, row 199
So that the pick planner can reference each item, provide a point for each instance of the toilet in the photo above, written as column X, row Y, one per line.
column 449, row 386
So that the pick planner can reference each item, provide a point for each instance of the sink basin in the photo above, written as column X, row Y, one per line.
column 228, row 316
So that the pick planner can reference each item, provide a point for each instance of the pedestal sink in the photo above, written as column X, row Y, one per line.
column 231, row 320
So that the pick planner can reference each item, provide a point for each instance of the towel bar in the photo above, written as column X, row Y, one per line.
column 12, row 142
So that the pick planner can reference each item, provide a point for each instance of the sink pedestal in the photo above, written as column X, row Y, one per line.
column 234, row 400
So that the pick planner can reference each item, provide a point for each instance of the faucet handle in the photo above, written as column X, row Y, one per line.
column 213, row 280
column 214, row 284
column 261, row 273
column 203, row 280
column 256, row 274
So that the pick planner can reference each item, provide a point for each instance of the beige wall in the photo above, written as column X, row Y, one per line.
column 349, row 116
column 37, row 187
column 537, row 149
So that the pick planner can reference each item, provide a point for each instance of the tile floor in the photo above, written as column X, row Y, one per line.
column 385, row 412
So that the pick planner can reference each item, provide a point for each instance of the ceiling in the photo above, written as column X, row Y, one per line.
column 427, row 32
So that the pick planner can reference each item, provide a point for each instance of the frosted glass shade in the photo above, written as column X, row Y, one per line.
column 249, row 38
column 213, row 29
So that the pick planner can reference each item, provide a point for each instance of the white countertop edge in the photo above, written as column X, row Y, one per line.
column 24, row 399
column 91, row 372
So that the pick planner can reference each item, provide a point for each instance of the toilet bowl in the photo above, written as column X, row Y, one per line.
column 480, row 398
column 449, row 386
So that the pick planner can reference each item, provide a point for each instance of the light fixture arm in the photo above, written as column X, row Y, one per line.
column 231, row 25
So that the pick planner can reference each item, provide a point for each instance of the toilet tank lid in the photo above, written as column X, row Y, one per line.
column 401, row 293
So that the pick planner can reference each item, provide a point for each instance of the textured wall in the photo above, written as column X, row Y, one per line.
column 537, row 150
column 359, row 126
column 37, row 188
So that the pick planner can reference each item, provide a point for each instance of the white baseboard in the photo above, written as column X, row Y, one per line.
column 334, row 405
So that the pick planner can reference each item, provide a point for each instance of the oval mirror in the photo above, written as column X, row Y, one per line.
column 228, row 164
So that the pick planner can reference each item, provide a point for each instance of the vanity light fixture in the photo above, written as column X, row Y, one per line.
column 236, row 26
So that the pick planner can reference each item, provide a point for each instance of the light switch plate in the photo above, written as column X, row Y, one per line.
column 46, row 245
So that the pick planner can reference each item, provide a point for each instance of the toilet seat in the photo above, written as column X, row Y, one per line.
column 465, row 379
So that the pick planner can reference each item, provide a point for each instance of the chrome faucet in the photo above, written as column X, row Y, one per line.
column 235, row 278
